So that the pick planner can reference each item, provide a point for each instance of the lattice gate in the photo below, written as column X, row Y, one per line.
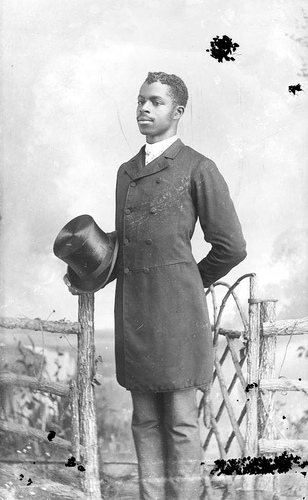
column 224, row 408
column 238, row 413
column 238, row 356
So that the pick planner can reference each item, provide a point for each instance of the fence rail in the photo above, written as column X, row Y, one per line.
column 31, row 432
column 38, row 325
column 281, row 445
column 283, row 384
column 41, row 385
column 286, row 327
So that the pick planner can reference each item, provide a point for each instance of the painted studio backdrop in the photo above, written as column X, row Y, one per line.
column 71, row 74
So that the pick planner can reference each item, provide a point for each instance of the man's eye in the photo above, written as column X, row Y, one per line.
column 156, row 103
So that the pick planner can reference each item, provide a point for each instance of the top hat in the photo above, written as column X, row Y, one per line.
column 89, row 253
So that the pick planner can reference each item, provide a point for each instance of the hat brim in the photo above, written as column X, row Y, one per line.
column 92, row 285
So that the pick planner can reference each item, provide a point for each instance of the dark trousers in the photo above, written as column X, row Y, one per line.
column 166, row 435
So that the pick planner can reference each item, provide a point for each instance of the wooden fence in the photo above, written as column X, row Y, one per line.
column 83, row 445
column 258, row 385
column 251, row 426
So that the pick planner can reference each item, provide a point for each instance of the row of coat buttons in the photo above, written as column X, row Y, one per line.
column 148, row 242
column 134, row 183
column 146, row 270
column 128, row 211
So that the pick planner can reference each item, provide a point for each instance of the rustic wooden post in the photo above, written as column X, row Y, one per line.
column 267, row 357
column 87, row 414
column 75, row 419
column 251, row 441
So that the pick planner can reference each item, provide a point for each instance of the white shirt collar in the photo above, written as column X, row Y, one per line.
column 158, row 148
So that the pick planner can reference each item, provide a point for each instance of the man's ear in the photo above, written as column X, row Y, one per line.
column 178, row 112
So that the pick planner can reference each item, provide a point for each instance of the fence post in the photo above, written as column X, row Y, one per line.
column 267, row 357
column 87, row 413
column 251, row 441
column 75, row 419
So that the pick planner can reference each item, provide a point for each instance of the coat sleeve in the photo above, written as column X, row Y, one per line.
column 115, row 270
column 219, row 223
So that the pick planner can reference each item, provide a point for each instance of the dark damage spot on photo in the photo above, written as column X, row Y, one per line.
column 21, row 477
column 222, row 48
column 295, row 88
column 51, row 435
column 71, row 462
column 258, row 465
column 251, row 386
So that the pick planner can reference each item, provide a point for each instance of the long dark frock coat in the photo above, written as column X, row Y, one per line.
column 163, row 336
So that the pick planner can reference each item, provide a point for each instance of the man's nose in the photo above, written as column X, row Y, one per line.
column 144, row 107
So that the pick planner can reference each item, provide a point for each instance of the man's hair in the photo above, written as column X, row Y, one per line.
column 177, row 86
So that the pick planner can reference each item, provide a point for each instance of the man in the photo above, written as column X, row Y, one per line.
column 163, row 341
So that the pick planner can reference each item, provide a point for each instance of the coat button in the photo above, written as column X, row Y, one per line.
column 133, row 184
column 126, row 270
column 158, row 180
column 128, row 211
column 146, row 270
column 149, row 241
column 153, row 210
column 126, row 241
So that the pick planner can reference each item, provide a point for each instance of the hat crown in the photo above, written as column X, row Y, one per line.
column 73, row 236
column 85, row 248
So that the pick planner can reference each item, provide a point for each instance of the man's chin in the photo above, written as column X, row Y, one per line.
column 142, row 132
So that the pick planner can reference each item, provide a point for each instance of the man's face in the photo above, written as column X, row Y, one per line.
column 157, row 114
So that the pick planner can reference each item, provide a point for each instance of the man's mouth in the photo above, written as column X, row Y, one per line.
column 144, row 119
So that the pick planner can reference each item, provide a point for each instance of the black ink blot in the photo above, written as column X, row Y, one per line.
column 258, row 465
column 21, row 477
column 51, row 435
column 251, row 386
column 293, row 89
column 29, row 481
column 222, row 48
column 71, row 462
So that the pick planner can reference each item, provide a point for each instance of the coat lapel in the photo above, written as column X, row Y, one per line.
column 136, row 169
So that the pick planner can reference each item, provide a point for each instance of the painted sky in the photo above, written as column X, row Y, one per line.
column 71, row 75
